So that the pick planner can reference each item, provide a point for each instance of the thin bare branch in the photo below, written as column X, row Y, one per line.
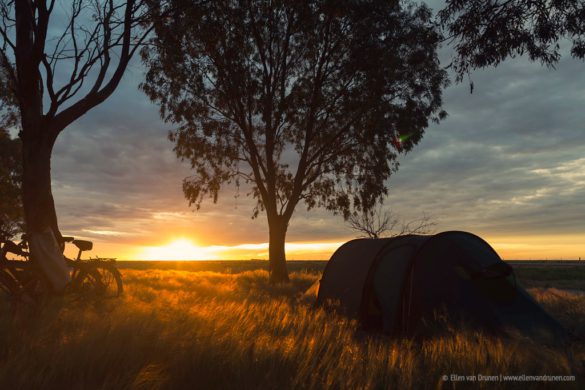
column 381, row 223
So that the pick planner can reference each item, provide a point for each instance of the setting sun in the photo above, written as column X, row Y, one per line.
column 179, row 249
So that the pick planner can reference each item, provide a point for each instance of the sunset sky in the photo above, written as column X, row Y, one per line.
column 507, row 164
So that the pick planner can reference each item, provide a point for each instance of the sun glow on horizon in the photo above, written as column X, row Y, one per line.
column 183, row 248
column 186, row 249
column 179, row 249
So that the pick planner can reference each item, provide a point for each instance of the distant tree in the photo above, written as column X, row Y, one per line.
column 300, row 99
column 380, row 223
column 11, row 217
column 57, row 69
column 8, row 102
column 487, row 32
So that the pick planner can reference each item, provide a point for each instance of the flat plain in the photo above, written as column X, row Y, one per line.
column 221, row 325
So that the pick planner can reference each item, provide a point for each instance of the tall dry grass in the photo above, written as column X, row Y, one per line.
column 207, row 330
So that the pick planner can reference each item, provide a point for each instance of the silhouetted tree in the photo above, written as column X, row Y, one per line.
column 57, row 69
column 301, row 99
column 381, row 223
column 8, row 103
column 10, row 164
column 487, row 32
column 11, row 217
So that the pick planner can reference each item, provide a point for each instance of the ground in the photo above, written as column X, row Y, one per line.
column 222, row 325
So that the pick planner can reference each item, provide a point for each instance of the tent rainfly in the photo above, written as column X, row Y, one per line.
column 397, row 285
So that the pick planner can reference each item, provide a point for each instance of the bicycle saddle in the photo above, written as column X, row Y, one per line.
column 83, row 245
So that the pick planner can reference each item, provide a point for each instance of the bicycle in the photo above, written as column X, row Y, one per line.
column 21, row 280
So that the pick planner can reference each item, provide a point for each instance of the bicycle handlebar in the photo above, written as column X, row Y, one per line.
column 11, row 247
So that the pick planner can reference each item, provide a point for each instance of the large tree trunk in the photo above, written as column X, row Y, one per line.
column 277, row 227
column 37, row 138
column 44, row 237
column 39, row 207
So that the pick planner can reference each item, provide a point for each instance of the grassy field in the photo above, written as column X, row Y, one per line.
column 224, row 326
column 565, row 277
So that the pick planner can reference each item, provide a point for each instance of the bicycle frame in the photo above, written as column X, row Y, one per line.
column 28, row 279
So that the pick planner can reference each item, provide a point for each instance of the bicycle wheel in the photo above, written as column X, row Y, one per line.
column 100, row 280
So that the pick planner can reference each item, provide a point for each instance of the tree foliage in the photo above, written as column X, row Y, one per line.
column 301, row 100
column 11, row 217
column 8, row 101
column 489, row 31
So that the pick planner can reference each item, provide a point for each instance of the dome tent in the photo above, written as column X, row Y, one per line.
column 396, row 284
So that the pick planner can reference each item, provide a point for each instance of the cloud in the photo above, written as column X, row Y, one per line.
column 509, row 158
